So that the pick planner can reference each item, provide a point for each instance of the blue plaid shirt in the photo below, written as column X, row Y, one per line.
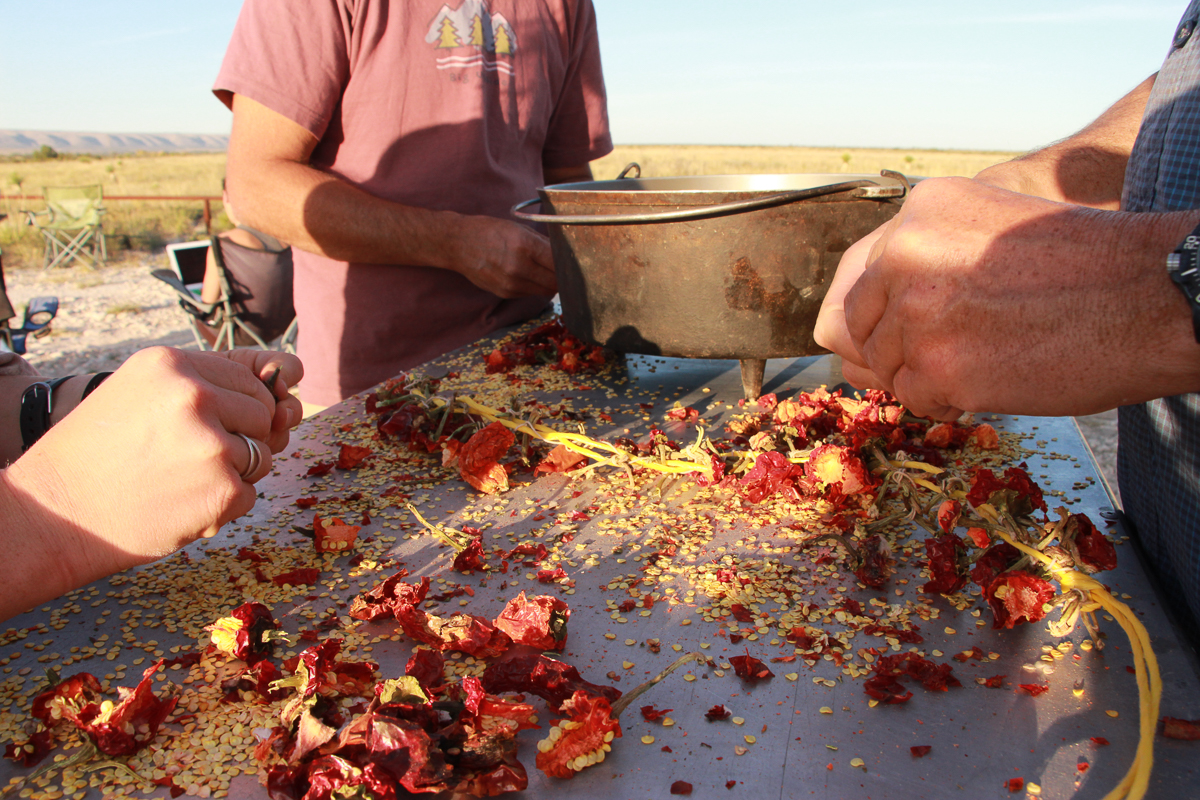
column 1158, row 457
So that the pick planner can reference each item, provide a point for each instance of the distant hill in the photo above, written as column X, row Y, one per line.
column 19, row 142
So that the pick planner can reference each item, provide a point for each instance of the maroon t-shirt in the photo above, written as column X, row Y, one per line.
column 431, row 104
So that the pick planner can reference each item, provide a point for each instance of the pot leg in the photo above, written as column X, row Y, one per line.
column 753, row 370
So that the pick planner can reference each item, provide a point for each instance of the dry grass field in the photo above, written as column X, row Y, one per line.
column 145, row 226
column 658, row 161
column 128, row 225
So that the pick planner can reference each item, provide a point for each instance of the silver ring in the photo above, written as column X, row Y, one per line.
column 255, row 457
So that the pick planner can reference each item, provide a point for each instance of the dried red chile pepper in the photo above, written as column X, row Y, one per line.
column 945, row 554
column 118, row 729
column 553, row 681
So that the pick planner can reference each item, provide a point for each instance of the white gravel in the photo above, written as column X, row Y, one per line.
column 106, row 315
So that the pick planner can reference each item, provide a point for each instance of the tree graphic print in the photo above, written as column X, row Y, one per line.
column 472, row 25
column 449, row 36
column 503, row 41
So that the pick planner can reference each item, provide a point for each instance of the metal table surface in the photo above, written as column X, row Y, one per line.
column 980, row 737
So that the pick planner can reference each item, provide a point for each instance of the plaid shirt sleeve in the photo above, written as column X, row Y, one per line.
column 1158, row 458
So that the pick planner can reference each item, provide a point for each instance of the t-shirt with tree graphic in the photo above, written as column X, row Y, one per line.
column 392, row 93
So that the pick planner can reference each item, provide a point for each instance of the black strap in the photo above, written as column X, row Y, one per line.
column 96, row 380
column 37, row 404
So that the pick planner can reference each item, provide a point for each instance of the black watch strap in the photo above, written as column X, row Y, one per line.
column 37, row 404
column 96, row 380
column 1183, row 266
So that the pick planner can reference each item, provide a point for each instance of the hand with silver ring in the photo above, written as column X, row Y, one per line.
column 150, row 462
column 256, row 458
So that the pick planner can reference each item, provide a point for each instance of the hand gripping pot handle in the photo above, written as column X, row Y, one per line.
column 862, row 189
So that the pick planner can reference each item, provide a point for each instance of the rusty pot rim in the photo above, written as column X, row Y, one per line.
column 721, row 184
column 703, row 196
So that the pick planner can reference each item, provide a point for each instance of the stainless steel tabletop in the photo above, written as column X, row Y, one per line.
column 979, row 737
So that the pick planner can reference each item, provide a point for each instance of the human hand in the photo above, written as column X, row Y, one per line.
column 153, row 458
column 505, row 258
column 288, row 409
column 831, row 331
column 975, row 298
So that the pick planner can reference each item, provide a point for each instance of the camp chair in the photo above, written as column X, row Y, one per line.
column 35, row 319
column 240, row 317
column 72, row 229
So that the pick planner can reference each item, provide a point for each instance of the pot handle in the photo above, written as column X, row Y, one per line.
column 861, row 189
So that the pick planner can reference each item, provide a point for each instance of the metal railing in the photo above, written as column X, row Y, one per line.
column 207, row 200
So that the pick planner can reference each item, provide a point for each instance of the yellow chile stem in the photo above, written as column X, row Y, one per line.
column 926, row 484
column 576, row 442
column 1149, row 680
column 921, row 465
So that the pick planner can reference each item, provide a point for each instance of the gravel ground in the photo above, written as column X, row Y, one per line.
column 106, row 315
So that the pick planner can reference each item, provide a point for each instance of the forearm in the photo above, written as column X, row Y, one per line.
column 322, row 214
column 1160, row 353
column 42, row 547
column 1085, row 169
column 273, row 186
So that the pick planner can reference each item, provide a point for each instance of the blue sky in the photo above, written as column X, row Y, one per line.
column 854, row 73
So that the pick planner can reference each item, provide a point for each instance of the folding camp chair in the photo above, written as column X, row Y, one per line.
column 236, row 316
column 72, row 230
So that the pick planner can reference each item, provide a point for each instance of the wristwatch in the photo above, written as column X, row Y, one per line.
column 1183, row 266
column 37, row 405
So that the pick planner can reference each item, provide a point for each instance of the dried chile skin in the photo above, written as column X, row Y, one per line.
column 995, row 560
column 750, row 669
column 947, row 575
column 1095, row 550
column 1024, row 598
column 551, row 680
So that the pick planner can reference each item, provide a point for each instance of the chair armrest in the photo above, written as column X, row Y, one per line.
column 38, row 314
column 188, row 300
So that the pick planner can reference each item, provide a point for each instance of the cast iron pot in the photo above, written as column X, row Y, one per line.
column 723, row 266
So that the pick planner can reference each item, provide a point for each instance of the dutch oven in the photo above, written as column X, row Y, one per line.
column 721, row 266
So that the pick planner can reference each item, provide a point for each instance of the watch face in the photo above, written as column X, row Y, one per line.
column 1190, row 284
column 1184, row 267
